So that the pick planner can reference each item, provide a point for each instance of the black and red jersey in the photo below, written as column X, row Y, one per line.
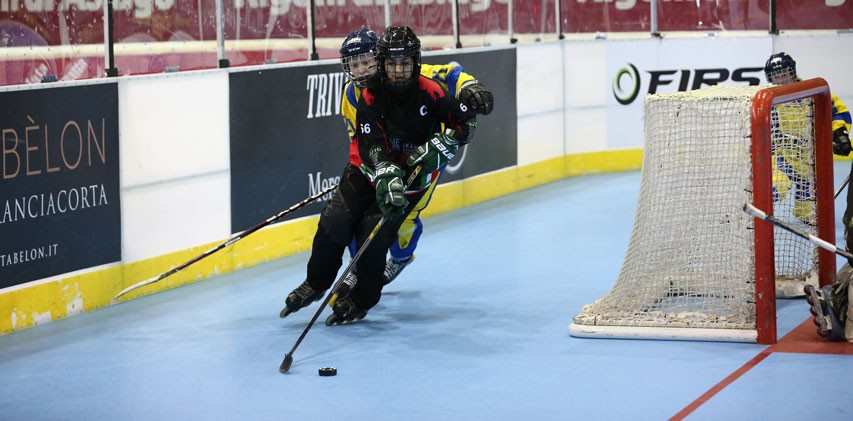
column 389, row 127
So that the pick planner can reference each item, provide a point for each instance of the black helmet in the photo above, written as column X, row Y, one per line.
column 359, row 48
column 397, row 42
column 780, row 69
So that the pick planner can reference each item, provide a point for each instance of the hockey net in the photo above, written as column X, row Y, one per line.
column 697, row 267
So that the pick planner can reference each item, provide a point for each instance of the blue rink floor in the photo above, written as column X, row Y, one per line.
column 475, row 329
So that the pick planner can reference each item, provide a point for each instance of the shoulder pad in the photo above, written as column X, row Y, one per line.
column 431, row 87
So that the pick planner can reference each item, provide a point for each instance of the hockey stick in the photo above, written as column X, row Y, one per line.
column 753, row 211
column 332, row 296
column 841, row 189
column 230, row 241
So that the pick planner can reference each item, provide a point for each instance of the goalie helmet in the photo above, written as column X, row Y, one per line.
column 399, row 52
column 780, row 69
column 358, row 56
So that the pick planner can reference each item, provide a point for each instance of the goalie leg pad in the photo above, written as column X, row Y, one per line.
column 825, row 318
column 841, row 298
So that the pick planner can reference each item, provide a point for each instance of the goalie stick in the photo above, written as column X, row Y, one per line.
column 757, row 213
column 841, row 189
column 235, row 238
column 336, row 290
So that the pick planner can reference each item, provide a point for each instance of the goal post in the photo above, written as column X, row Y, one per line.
column 763, row 128
column 697, row 267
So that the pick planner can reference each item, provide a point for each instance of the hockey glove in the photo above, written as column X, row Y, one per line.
column 477, row 97
column 435, row 154
column 841, row 143
column 390, row 189
column 368, row 172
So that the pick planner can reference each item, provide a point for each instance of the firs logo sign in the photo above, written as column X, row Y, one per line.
column 627, row 81
column 324, row 94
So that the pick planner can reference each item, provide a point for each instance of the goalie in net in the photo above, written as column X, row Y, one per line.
column 830, row 305
column 697, row 268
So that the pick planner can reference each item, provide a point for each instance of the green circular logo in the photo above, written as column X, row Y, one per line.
column 625, row 93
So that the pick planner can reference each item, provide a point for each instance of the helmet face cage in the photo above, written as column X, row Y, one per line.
column 358, row 56
column 398, row 71
column 399, row 43
column 360, row 68
column 780, row 69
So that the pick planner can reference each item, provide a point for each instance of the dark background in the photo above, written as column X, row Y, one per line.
column 86, row 237
column 274, row 146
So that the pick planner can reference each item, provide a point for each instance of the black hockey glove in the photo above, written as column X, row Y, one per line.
column 841, row 142
column 477, row 97
column 435, row 154
column 390, row 189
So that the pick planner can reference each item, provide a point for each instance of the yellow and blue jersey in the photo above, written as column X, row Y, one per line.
column 840, row 115
column 794, row 169
column 451, row 77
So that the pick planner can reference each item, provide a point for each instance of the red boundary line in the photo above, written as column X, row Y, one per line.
column 722, row 384
column 802, row 339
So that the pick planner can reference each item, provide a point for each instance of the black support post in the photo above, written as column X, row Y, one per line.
column 311, row 33
column 772, row 12
column 111, row 70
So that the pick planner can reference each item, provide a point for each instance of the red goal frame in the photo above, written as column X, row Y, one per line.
column 762, row 166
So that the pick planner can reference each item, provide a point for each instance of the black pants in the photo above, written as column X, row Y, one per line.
column 352, row 213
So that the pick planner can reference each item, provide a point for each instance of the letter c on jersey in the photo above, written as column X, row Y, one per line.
column 423, row 110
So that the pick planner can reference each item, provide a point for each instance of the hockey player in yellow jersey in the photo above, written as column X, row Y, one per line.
column 359, row 63
column 830, row 305
column 793, row 167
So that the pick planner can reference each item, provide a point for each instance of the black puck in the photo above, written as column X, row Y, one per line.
column 328, row 371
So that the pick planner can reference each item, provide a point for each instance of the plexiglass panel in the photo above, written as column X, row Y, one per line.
column 718, row 15
column 164, row 36
column 432, row 21
column 263, row 31
column 334, row 19
column 814, row 14
column 613, row 16
column 531, row 19
column 483, row 22
column 47, row 41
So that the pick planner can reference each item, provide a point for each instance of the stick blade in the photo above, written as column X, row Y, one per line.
column 135, row 286
column 286, row 363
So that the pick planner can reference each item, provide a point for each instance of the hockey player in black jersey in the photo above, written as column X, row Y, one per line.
column 359, row 62
column 400, row 125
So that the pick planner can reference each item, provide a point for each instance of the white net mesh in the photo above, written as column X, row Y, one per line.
column 792, row 138
column 690, row 262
